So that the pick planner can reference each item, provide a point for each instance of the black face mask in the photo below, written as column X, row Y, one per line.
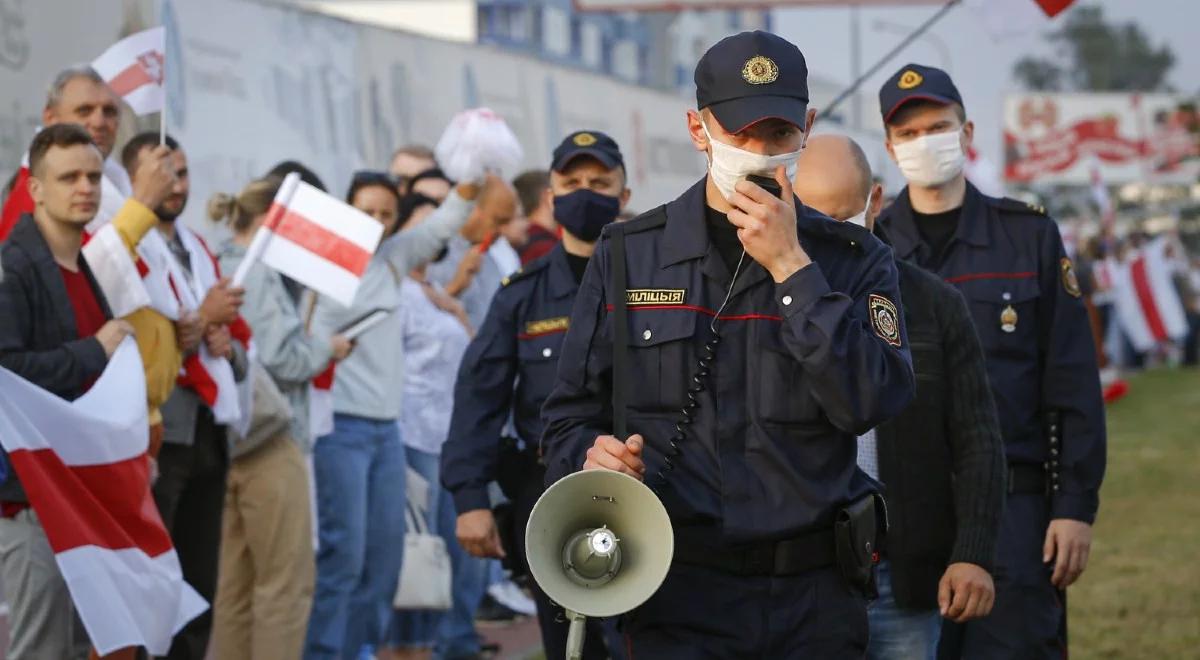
column 585, row 212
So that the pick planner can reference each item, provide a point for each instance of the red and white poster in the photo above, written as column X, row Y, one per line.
column 1069, row 138
column 1125, row 138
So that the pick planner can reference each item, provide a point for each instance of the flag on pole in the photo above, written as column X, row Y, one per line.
column 1016, row 18
column 314, row 238
column 134, row 68
column 1148, row 305
column 84, row 466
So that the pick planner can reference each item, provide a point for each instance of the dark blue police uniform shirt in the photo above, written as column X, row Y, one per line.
column 519, row 345
column 800, row 371
column 1007, row 259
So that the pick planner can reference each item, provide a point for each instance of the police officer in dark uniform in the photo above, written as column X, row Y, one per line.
column 509, row 368
column 762, row 338
column 1007, row 259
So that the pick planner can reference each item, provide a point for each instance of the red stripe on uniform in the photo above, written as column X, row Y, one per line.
column 704, row 310
column 311, row 236
column 133, row 77
column 990, row 276
column 108, row 505
column 1145, row 296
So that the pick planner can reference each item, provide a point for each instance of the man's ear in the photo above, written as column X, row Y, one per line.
column 695, row 124
column 809, row 119
column 625, row 197
column 968, row 136
column 34, row 186
column 876, row 200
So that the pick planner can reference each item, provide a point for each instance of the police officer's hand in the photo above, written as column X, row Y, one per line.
column 610, row 453
column 767, row 226
column 477, row 534
column 965, row 592
column 1068, row 543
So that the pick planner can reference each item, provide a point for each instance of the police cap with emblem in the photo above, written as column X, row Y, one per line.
column 750, row 77
column 587, row 143
column 916, row 82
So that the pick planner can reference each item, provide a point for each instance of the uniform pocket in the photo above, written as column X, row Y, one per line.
column 780, row 379
column 1005, row 314
column 661, row 358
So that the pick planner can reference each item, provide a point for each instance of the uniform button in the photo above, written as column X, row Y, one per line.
column 1053, row 451
column 787, row 300
column 1006, row 295
column 546, row 352
column 646, row 335
column 1055, row 487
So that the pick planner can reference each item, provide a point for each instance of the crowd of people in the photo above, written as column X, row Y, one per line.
column 786, row 369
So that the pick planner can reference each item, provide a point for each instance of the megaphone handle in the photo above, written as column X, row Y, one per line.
column 620, row 347
column 575, row 635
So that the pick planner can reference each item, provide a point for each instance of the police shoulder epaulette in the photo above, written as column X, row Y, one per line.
column 655, row 217
column 524, row 272
column 1017, row 206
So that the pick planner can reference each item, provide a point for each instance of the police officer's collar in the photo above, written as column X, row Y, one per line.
column 902, row 227
column 561, row 281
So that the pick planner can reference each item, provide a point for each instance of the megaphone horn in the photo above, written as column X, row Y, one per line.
column 599, row 543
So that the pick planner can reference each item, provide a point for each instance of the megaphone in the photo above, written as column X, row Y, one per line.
column 599, row 543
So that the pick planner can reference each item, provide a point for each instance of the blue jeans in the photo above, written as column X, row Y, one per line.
column 900, row 634
column 359, row 471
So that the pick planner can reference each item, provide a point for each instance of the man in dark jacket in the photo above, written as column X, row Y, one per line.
column 56, row 331
column 941, row 461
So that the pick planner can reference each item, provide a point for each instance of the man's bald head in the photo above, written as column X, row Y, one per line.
column 833, row 176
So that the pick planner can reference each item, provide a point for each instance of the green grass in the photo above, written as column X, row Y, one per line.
column 1140, row 596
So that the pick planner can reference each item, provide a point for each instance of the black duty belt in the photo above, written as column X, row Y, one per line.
column 694, row 546
column 1028, row 479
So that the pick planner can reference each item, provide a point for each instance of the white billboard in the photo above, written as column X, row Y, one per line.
column 1125, row 138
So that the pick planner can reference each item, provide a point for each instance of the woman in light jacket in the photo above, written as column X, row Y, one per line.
column 266, row 565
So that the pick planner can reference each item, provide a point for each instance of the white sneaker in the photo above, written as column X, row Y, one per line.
column 510, row 595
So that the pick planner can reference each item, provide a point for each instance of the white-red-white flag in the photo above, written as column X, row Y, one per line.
column 314, row 238
column 135, row 67
column 1148, row 305
column 84, row 466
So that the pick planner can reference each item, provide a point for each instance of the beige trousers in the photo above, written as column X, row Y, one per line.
column 267, row 569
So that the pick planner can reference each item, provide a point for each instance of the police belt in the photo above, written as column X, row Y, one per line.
column 694, row 547
column 1028, row 479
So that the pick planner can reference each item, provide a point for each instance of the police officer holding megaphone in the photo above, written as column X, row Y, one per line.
column 725, row 349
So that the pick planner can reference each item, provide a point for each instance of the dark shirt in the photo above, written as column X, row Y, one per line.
column 723, row 235
column 937, row 229
column 578, row 266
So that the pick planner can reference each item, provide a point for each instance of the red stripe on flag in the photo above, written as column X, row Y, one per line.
column 18, row 203
column 109, row 505
column 324, row 380
column 311, row 236
column 196, row 378
column 133, row 77
column 1145, row 296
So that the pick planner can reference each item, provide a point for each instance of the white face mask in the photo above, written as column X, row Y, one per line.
column 727, row 165
column 931, row 160
column 861, row 218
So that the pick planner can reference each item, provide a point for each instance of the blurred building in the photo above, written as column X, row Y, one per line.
column 655, row 49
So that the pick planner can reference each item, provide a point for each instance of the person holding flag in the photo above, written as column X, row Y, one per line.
column 194, row 457
column 58, row 335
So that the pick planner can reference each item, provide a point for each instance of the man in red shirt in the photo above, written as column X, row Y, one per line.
column 533, row 188
column 56, row 331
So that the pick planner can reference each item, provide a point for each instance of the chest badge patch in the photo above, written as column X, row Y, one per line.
column 546, row 326
column 1070, row 281
column 1008, row 319
column 884, row 319
column 646, row 297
